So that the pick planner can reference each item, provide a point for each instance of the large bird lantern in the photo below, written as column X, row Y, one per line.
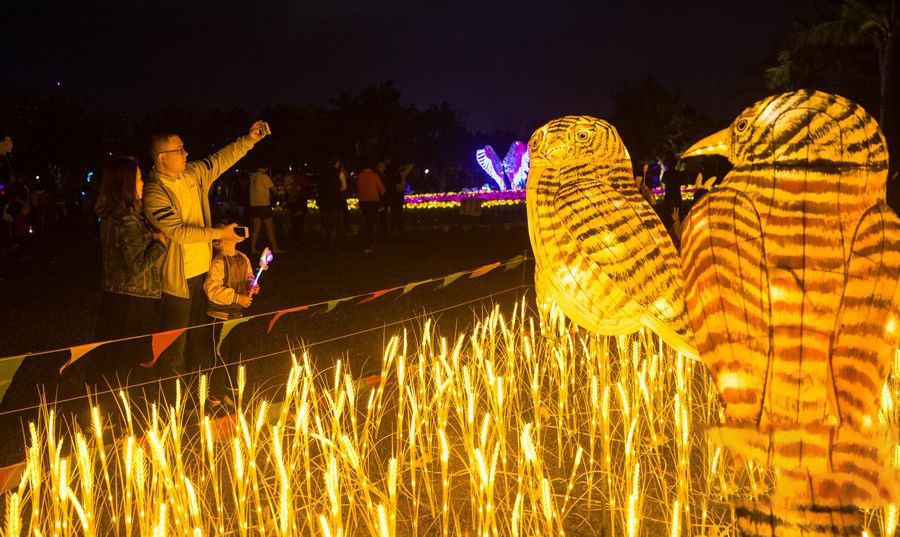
column 786, row 288
column 601, row 253
column 791, row 268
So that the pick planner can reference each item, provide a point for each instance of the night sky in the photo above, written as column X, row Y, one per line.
column 504, row 64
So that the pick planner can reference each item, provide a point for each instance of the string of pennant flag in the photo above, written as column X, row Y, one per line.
column 160, row 341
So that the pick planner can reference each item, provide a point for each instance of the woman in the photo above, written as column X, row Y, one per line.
column 369, row 188
column 132, row 259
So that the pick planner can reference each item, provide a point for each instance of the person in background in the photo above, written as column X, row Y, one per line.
column 17, row 215
column 328, row 197
column 395, row 195
column 228, row 288
column 641, row 185
column 298, row 189
column 343, row 207
column 260, row 211
column 132, row 267
column 670, row 209
column 369, row 189
column 176, row 201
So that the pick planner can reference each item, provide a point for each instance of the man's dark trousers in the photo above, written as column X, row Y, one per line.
column 188, row 351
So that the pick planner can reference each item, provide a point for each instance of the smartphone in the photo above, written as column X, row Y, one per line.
column 265, row 128
column 242, row 231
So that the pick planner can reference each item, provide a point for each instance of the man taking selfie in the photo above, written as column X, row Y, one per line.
column 176, row 201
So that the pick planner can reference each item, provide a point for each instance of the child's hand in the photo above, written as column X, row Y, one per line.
column 254, row 289
column 244, row 301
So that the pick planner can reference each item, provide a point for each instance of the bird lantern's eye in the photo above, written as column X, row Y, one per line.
column 741, row 125
column 582, row 136
column 536, row 140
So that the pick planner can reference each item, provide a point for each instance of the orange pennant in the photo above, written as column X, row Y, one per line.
column 223, row 428
column 377, row 294
column 280, row 314
column 481, row 271
column 78, row 351
column 161, row 341
column 11, row 475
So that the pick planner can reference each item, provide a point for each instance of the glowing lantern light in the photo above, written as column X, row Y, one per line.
column 587, row 218
column 790, row 269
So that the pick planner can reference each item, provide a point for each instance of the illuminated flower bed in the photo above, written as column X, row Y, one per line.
column 451, row 200
column 490, row 199
column 497, row 430
column 687, row 192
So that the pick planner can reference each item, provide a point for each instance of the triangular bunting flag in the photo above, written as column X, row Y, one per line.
column 282, row 313
column 451, row 278
column 410, row 286
column 79, row 351
column 331, row 305
column 8, row 367
column 514, row 262
column 481, row 271
column 223, row 428
column 11, row 475
column 372, row 381
column 377, row 294
column 161, row 341
column 227, row 327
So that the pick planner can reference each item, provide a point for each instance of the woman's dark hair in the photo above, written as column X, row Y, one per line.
column 118, row 187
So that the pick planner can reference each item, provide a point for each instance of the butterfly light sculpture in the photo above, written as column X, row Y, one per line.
column 512, row 171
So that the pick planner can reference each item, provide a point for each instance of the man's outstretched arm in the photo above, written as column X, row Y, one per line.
column 210, row 168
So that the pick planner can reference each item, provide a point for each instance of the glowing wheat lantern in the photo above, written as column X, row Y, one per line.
column 601, row 253
column 791, row 268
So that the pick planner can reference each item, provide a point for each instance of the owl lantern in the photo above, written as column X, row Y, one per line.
column 791, row 268
column 601, row 253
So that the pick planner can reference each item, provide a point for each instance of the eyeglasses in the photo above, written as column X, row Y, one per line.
column 181, row 151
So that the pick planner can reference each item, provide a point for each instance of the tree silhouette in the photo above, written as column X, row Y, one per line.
column 848, row 28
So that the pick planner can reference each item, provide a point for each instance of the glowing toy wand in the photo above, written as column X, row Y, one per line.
column 264, row 261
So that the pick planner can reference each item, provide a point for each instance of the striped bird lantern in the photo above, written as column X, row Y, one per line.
column 601, row 253
column 790, row 270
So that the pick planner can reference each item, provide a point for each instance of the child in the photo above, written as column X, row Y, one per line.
column 228, row 285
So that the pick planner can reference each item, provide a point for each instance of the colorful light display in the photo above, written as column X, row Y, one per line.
column 450, row 200
column 791, row 272
column 512, row 171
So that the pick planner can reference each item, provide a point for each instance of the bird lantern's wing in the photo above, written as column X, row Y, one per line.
column 489, row 161
column 867, row 322
column 624, row 241
column 865, row 336
column 728, row 298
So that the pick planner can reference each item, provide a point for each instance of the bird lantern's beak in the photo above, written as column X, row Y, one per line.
column 557, row 151
column 714, row 144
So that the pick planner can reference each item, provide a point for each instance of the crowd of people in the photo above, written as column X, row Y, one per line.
column 37, row 204
column 169, row 256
